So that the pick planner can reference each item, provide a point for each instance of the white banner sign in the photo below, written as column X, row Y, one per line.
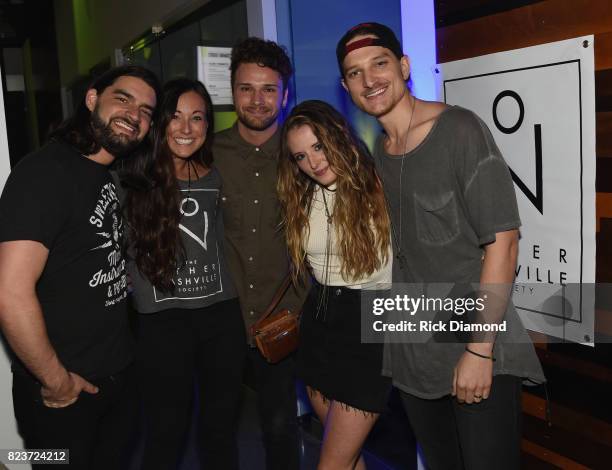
column 539, row 103
column 214, row 73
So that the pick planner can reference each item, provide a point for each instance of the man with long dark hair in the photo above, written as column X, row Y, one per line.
column 62, row 276
column 246, row 156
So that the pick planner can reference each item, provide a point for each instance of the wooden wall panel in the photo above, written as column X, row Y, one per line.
column 603, row 90
column 604, row 134
column 603, row 50
column 595, row 429
column 603, row 183
column 450, row 12
column 604, row 207
column 545, row 454
column 543, row 22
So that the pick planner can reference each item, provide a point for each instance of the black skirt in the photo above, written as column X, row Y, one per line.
column 331, row 358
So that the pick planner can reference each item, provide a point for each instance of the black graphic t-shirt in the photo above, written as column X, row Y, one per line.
column 202, row 278
column 69, row 204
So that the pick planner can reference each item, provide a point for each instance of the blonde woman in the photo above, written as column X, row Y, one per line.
column 337, row 227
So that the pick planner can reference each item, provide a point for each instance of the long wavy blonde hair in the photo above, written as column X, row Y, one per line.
column 360, row 213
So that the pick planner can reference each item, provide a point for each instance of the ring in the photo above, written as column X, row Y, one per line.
column 478, row 396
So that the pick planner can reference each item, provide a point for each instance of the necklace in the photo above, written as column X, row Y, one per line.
column 323, row 298
column 187, row 199
column 327, row 213
column 189, row 177
column 401, row 259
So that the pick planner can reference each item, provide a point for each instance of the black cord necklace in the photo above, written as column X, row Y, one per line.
column 322, row 304
column 188, row 199
column 399, row 256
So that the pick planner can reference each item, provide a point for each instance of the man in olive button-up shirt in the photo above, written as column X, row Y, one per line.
column 246, row 156
column 254, row 243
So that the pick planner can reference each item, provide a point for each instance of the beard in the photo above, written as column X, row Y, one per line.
column 256, row 124
column 118, row 145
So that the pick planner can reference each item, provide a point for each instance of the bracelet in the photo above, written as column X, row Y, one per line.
column 479, row 355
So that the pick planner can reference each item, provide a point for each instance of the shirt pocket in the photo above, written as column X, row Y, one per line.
column 272, row 213
column 231, row 207
column 437, row 218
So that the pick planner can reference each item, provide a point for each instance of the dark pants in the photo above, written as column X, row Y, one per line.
column 473, row 437
column 96, row 429
column 277, row 406
column 175, row 347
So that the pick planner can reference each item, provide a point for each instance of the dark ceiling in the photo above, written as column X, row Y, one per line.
column 23, row 19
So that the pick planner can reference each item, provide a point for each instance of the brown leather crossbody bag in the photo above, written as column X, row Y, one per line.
column 277, row 335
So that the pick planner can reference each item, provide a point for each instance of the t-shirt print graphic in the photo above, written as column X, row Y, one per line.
column 107, row 220
column 198, row 276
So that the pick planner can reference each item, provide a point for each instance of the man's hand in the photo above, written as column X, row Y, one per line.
column 473, row 375
column 66, row 391
column 472, row 378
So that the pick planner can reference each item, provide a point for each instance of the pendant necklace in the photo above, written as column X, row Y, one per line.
column 399, row 256
column 322, row 304
column 191, row 166
column 327, row 213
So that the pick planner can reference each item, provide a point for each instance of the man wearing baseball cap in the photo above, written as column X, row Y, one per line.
column 455, row 220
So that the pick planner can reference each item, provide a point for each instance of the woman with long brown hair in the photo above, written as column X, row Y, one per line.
column 190, row 325
column 337, row 227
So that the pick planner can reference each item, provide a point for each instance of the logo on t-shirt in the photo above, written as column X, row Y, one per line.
column 107, row 219
column 198, row 277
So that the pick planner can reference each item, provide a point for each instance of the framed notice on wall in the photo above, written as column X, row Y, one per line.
column 214, row 73
column 539, row 103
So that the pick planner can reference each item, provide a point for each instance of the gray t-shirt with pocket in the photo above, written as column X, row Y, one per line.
column 454, row 195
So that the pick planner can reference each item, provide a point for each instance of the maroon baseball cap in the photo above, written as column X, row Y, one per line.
column 384, row 37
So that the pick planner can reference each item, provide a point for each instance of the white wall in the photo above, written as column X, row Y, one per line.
column 262, row 19
column 9, row 438
column 419, row 44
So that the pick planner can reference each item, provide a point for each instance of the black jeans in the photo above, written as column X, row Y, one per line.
column 96, row 429
column 473, row 437
column 277, row 406
column 175, row 347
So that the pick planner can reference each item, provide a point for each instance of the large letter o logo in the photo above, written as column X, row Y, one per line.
column 519, row 101
column 184, row 202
